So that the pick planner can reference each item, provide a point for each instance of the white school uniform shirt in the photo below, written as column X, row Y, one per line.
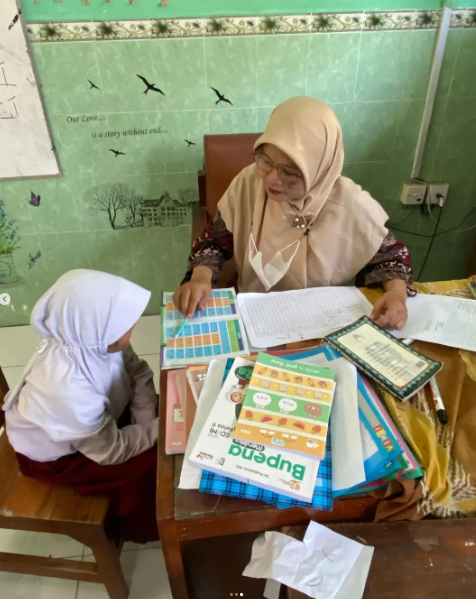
column 72, row 391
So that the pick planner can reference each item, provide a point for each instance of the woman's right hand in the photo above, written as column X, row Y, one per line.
column 195, row 293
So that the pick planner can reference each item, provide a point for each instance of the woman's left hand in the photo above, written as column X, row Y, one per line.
column 390, row 310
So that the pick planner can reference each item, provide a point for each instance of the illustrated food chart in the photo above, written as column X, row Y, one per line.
column 203, row 340
column 280, row 381
column 221, row 303
column 287, row 410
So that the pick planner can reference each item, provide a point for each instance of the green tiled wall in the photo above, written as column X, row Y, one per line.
column 376, row 82
column 140, row 9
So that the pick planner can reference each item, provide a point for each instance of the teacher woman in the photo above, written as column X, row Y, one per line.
column 292, row 221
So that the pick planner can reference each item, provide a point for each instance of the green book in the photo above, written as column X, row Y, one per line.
column 398, row 368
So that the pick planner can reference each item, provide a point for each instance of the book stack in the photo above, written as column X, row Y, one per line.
column 267, row 434
column 302, row 428
column 268, row 426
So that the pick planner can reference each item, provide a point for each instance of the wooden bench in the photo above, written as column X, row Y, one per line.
column 26, row 504
column 429, row 559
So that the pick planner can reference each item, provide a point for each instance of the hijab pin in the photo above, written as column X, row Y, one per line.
column 299, row 222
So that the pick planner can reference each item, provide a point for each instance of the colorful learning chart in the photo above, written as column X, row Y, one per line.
column 287, row 406
column 221, row 303
column 216, row 332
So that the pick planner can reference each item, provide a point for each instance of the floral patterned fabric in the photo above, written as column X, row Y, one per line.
column 215, row 246
column 447, row 453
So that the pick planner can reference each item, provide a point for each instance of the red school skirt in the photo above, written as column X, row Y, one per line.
column 130, row 487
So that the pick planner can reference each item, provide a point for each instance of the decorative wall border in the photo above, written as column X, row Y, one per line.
column 236, row 26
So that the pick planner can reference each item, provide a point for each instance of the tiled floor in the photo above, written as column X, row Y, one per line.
column 144, row 566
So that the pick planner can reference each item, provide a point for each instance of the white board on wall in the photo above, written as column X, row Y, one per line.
column 26, row 148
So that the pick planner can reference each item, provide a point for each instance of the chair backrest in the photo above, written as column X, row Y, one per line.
column 225, row 157
column 3, row 391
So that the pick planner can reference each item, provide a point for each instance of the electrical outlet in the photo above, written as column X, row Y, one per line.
column 435, row 190
column 413, row 193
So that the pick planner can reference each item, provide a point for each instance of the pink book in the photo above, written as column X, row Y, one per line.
column 175, row 439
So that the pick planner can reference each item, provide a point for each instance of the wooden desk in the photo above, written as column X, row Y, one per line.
column 184, row 516
column 430, row 559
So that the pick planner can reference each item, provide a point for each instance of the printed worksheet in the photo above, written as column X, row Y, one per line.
column 273, row 319
column 441, row 319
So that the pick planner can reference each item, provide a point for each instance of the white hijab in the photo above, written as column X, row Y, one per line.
column 72, row 380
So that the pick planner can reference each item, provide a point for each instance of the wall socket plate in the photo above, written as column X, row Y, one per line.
column 437, row 189
column 413, row 193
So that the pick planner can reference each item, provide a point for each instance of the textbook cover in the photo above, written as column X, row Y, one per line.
column 287, row 406
column 266, row 467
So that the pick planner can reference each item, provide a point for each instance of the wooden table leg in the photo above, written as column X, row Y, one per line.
column 173, row 559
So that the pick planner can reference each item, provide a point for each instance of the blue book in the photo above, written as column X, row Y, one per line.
column 381, row 448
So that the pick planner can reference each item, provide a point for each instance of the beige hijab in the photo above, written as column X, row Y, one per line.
column 347, row 224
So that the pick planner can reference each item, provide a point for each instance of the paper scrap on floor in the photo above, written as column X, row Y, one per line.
column 324, row 565
column 441, row 319
column 273, row 319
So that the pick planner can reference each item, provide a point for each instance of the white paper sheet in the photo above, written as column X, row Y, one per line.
column 318, row 566
column 26, row 143
column 441, row 319
column 273, row 319
column 190, row 476
column 346, row 440
column 353, row 586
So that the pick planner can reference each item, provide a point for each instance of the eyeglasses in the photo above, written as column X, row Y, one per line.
column 288, row 176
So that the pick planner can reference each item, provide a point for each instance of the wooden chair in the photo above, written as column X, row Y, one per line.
column 26, row 504
column 224, row 157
